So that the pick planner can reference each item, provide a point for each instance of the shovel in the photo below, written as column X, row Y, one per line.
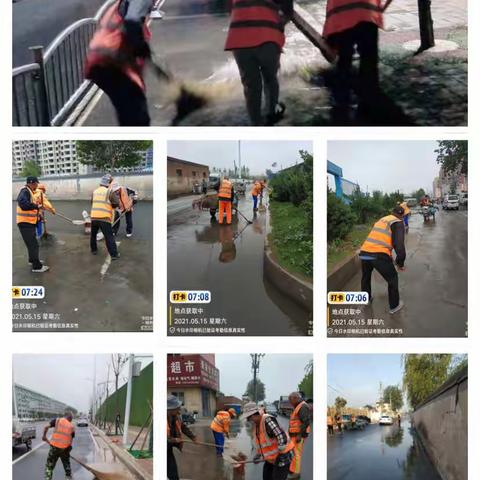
column 102, row 471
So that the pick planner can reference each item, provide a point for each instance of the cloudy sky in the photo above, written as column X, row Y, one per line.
column 386, row 165
column 357, row 377
column 256, row 155
column 281, row 373
column 67, row 378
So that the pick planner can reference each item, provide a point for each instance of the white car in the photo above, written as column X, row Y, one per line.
column 451, row 202
column 385, row 420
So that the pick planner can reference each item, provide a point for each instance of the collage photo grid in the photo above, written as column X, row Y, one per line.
column 197, row 181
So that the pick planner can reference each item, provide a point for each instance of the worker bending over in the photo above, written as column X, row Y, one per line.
column 175, row 428
column 225, row 200
column 126, row 198
column 298, row 429
column 273, row 444
column 256, row 38
column 220, row 427
column 28, row 212
column 103, row 204
column 40, row 196
column 60, row 444
column 116, row 59
column 387, row 234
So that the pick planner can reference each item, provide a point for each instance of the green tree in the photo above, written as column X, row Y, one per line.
column 393, row 395
column 260, row 391
column 31, row 169
column 419, row 194
column 306, row 385
column 458, row 363
column 340, row 403
column 108, row 155
column 340, row 218
column 423, row 374
column 453, row 155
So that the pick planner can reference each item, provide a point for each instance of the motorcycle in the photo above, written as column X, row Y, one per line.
column 427, row 212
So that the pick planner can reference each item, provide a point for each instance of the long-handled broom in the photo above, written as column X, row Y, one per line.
column 101, row 471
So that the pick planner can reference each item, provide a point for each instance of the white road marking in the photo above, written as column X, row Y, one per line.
column 28, row 453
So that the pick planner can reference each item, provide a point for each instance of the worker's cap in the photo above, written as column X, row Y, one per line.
column 232, row 412
column 251, row 408
column 173, row 402
column 398, row 210
column 42, row 187
column 32, row 179
column 114, row 186
column 106, row 180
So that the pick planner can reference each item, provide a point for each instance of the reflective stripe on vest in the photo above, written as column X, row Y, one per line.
column 295, row 425
column 253, row 23
column 27, row 216
column 225, row 190
column 101, row 206
column 108, row 45
column 379, row 239
column 220, row 422
column 62, row 435
column 266, row 446
column 345, row 14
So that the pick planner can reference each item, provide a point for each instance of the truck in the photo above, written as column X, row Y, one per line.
column 22, row 434
column 284, row 406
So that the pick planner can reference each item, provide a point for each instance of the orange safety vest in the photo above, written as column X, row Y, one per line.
column 27, row 216
column 329, row 421
column 253, row 23
column 345, row 14
column 62, row 435
column 225, row 190
column 221, row 422
column 295, row 425
column 405, row 208
column 256, row 189
column 108, row 47
column 126, row 201
column 268, row 447
column 101, row 206
column 379, row 239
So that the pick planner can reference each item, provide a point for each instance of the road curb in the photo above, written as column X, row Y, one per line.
column 125, row 458
column 343, row 272
column 300, row 291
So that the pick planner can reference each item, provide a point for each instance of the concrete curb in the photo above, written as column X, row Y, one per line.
column 300, row 291
column 125, row 458
column 343, row 272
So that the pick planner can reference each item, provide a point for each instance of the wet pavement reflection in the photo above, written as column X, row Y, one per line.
column 84, row 290
column 378, row 453
column 228, row 261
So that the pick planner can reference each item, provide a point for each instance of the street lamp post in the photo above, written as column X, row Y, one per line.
column 129, row 398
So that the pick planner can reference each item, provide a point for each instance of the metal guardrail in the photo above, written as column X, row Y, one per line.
column 45, row 92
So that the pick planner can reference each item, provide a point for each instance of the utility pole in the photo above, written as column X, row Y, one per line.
column 240, row 158
column 256, row 357
column 131, row 360
column 94, row 393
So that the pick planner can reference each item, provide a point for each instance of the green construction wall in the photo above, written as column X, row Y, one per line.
column 142, row 394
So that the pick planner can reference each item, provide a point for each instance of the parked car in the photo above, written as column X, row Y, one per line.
column 364, row 417
column 271, row 409
column 451, row 202
column 385, row 420
column 188, row 418
column 22, row 435
column 360, row 423
column 463, row 199
column 82, row 422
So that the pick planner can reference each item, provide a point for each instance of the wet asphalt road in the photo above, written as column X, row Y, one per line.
column 378, row 453
column 75, row 287
column 434, row 284
column 32, row 464
column 228, row 261
column 38, row 22
column 200, row 463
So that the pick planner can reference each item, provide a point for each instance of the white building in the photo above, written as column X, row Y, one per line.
column 59, row 157
column 32, row 404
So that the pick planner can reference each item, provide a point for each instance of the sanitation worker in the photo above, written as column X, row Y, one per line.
column 256, row 38
column 274, row 445
column 175, row 429
column 220, row 427
column 350, row 24
column 40, row 196
column 27, row 216
column 225, row 200
column 298, row 429
column 256, row 192
column 116, row 59
column 60, row 444
column 387, row 234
